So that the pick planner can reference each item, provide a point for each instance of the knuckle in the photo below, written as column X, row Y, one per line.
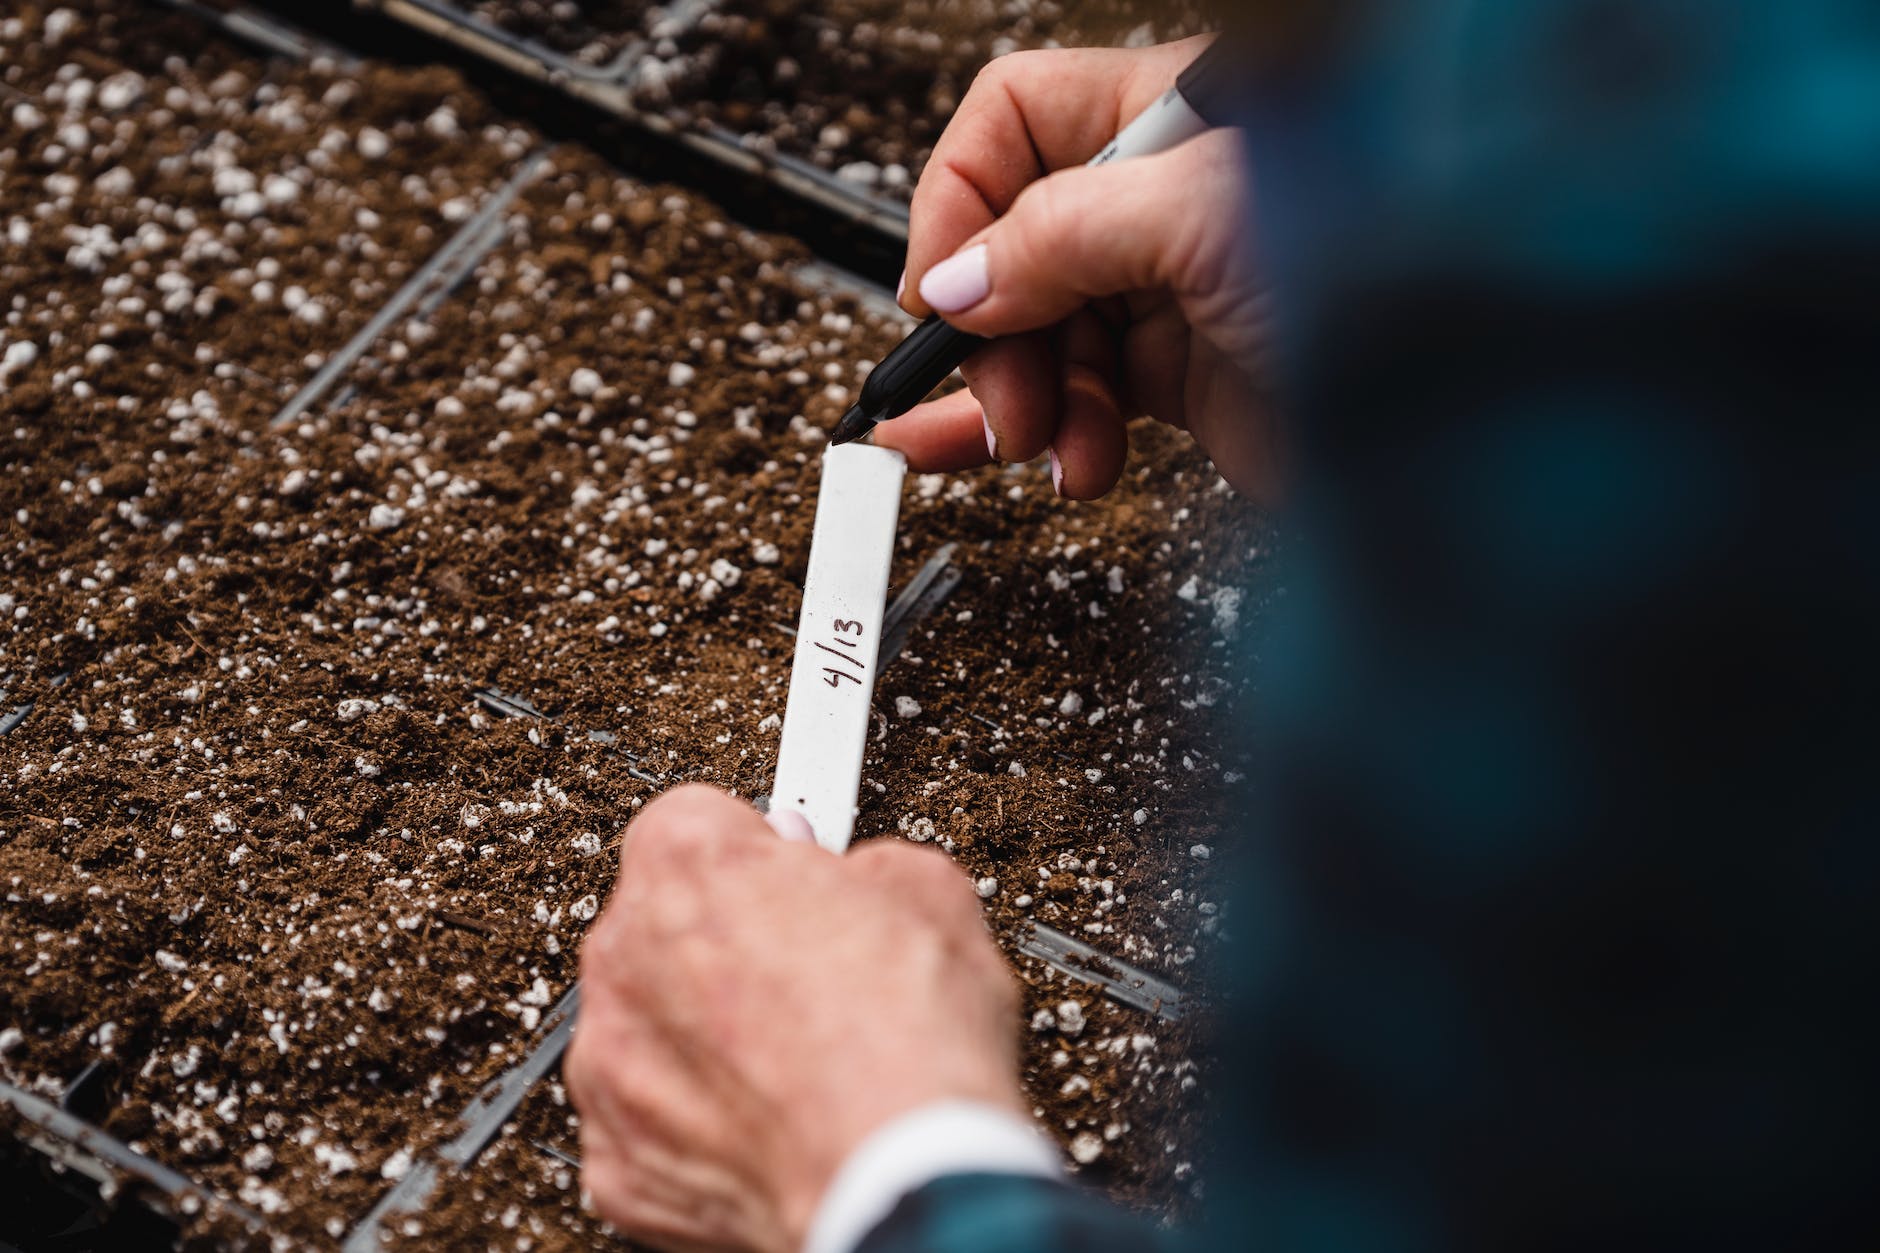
column 1089, row 383
column 937, row 878
column 676, row 912
column 605, row 946
column 1000, row 72
column 610, row 1192
column 1006, row 993
column 937, row 864
column 691, row 795
column 1038, row 242
column 900, row 859
column 941, row 874
column 675, row 821
column 578, row 1071
column 674, row 812
column 1058, row 66
column 1043, row 210
column 683, row 802
column 870, row 861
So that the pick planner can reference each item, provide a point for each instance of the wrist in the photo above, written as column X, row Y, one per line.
column 911, row 1150
column 833, row 1131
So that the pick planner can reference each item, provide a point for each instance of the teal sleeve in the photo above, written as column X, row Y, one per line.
column 1010, row 1214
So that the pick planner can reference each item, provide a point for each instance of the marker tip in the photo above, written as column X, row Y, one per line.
column 855, row 424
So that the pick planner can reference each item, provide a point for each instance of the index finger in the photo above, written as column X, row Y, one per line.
column 1027, row 114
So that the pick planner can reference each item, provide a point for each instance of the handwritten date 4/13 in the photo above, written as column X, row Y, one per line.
column 845, row 644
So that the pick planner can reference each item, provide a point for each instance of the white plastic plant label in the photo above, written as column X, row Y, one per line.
column 838, row 640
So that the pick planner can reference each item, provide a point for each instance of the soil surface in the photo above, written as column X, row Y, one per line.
column 861, row 88
column 264, row 854
column 591, row 32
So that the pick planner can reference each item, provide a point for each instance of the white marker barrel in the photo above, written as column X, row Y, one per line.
column 1168, row 123
column 838, row 640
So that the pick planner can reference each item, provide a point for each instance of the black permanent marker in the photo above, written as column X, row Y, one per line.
column 923, row 360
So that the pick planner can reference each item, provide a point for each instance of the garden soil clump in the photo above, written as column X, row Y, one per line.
column 265, row 855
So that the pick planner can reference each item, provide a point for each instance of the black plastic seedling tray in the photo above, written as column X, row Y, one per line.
column 101, row 1193
column 613, row 89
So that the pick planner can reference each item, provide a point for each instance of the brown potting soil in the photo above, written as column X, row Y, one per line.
column 595, row 31
column 262, row 851
column 592, row 32
column 206, row 219
column 861, row 88
column 1121, row 1082
column 525, row 1186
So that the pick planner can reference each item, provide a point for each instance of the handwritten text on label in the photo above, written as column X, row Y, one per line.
column 841, row 646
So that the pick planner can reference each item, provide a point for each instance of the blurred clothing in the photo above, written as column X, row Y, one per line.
column 1556, row 923
column 941, row 1140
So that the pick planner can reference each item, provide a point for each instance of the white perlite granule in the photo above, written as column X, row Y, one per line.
column 354, row 709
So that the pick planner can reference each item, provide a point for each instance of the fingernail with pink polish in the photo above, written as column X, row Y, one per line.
column 790, row 826
column 959, row 282
column 1057, row 473
column 992, row 442
column 900, row 288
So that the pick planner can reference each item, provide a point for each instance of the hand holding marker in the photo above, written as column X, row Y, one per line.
column 934, row 349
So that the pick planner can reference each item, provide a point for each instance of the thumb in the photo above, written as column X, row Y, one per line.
column 1168, row 222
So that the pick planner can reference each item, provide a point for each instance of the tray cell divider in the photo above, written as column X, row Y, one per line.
column 1120, row 981
column 78, row 1145
column 485, row 1116
column 442, row 273
column 614, row 90
column 265, row 31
